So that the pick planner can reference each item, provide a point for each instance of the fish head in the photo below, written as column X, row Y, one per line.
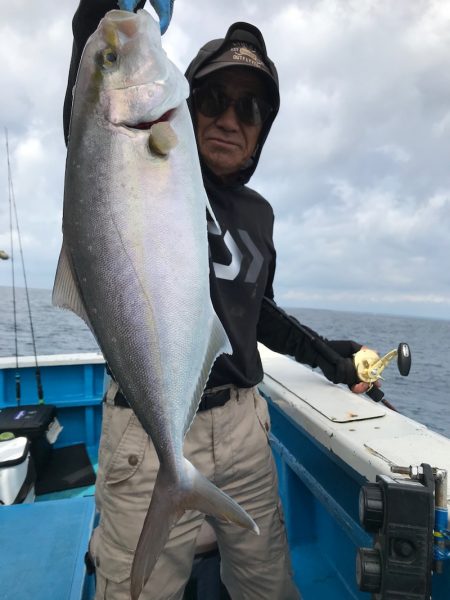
column 126, row 76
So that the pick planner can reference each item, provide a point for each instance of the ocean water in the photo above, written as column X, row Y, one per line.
column 424, row 395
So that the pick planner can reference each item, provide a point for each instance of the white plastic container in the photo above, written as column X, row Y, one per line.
column 14, row 464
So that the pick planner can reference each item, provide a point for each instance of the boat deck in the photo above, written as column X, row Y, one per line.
column 43, row 547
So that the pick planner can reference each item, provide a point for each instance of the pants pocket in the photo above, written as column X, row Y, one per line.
column 127, row 442
column 112, row 562
column 262, row 412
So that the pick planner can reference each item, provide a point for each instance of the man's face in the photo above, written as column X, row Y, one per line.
column 226, row 143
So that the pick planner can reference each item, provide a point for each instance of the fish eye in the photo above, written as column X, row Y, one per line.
column 107, row 58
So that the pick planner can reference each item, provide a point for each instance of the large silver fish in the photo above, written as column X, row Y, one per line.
column 134, row 260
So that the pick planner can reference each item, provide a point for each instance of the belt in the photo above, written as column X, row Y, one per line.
column 208, row 400
column 214, row 399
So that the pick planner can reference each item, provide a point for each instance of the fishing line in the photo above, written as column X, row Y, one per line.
column 10, row 196
column 13, row 208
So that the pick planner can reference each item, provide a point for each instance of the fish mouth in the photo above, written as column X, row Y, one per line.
column 146, row 125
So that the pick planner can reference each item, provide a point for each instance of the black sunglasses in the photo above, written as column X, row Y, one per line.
column 212, row 101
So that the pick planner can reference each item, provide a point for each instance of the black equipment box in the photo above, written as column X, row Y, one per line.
column 31, row 421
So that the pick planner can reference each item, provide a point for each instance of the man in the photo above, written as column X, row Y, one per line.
column 234, row 100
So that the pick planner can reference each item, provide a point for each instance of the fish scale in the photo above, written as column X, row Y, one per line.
column 134, row 261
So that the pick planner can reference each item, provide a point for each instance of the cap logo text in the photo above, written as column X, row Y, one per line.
column 245, row 55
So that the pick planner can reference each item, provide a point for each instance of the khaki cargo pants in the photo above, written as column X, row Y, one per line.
column 228, row 444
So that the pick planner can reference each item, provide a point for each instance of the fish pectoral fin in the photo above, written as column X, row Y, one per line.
column 210, row 500
column 65, row 289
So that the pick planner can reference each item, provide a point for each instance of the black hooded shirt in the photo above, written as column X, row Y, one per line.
column 242, row 256
column 242, row 267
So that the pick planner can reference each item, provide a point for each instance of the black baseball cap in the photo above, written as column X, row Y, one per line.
column 243, row 46
column 236, row 54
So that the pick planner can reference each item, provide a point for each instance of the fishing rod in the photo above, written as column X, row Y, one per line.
column 13, row 209
column 16, row 353
column 368, row 364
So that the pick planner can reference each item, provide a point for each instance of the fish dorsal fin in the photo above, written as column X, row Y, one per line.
column 65, row 289
column 218, row 344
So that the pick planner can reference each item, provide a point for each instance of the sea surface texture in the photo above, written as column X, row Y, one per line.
column 423, row 395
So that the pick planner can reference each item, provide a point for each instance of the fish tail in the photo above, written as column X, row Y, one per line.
column 210, row 500
column 168, row 505
column 163, row 513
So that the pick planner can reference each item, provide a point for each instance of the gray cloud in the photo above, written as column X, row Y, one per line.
column 356, row 165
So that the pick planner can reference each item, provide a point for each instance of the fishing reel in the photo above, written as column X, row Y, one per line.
column 369, row 365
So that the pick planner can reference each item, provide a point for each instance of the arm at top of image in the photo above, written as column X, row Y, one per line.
column 85, row 21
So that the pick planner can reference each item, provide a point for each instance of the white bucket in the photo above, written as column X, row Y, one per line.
column 14, row 464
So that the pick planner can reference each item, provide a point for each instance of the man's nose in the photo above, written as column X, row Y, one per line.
column 228, row 119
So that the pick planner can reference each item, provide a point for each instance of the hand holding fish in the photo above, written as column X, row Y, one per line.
column 164, row 8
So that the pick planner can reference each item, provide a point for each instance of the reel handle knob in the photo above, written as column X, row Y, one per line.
column 404, row 359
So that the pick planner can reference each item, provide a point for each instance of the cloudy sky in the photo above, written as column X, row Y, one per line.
column 356, row 167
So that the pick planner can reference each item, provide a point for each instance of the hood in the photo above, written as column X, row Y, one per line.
column 249, row 34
